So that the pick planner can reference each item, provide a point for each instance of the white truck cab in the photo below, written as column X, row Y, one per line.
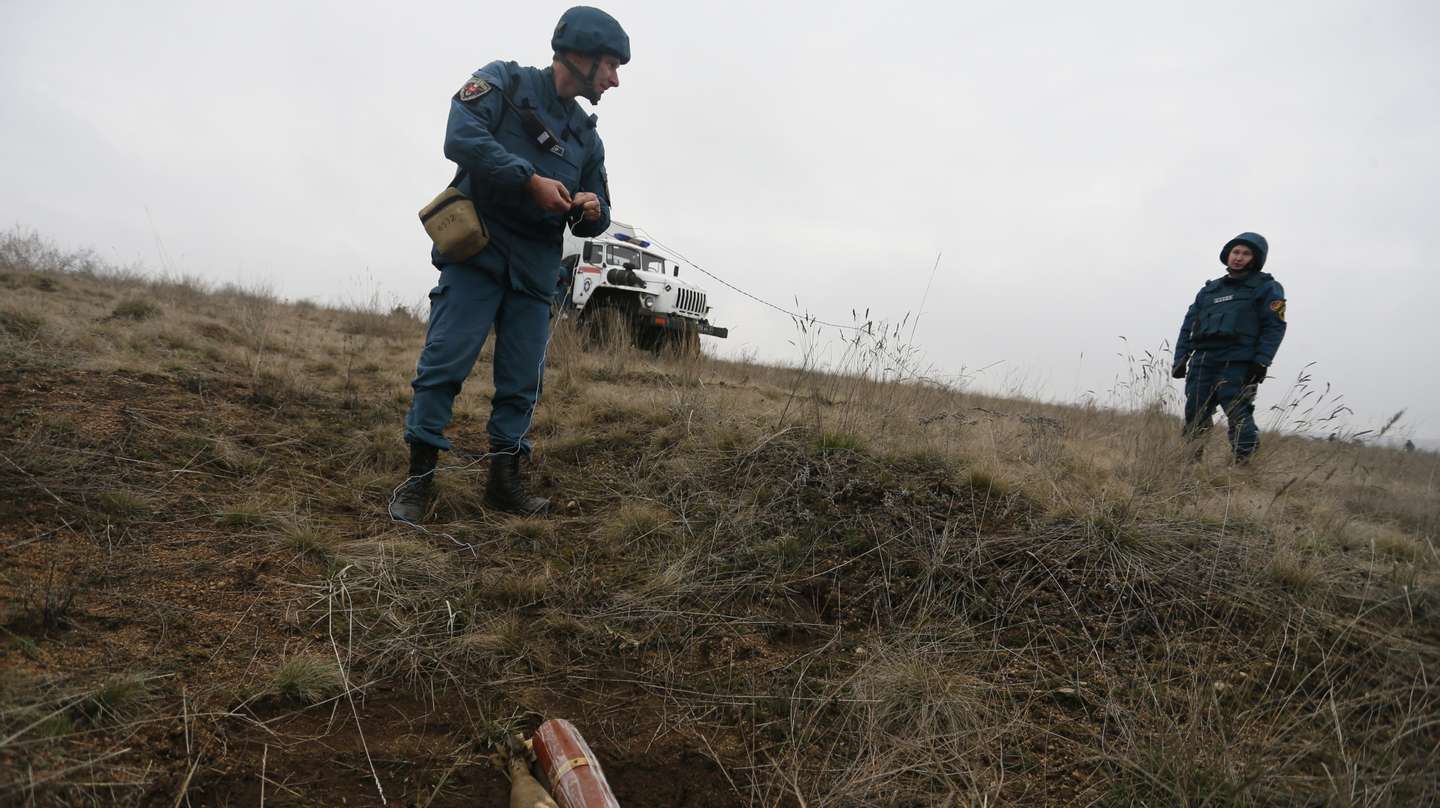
column 620, row 273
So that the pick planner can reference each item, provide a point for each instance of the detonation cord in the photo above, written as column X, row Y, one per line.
column 806, row 319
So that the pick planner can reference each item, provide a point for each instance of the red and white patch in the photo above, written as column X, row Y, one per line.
column 474, row 88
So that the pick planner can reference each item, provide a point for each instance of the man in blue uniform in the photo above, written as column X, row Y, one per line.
column 1227, row 341
column 533, row 162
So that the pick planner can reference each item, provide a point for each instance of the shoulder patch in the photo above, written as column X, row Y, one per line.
column 1278, row 306
column 473, row 89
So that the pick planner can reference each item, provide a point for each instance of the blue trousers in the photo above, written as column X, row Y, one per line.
column 463, row 308
column 1222, row 385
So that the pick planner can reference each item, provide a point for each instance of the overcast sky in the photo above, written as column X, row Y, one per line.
column 1079, row 165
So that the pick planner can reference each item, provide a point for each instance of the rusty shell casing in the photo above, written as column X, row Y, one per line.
column 576, row 779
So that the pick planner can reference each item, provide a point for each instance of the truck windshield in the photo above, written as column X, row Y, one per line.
column 621, row 256
column 654, row 263
column 594, row 253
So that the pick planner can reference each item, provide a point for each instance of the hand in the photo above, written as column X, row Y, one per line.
column 1180, row 369
column 1255, row 374
column 551, row 195
column 588, row 205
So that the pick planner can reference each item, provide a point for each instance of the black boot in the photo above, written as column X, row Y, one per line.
column 505, row 490
column 412, row 499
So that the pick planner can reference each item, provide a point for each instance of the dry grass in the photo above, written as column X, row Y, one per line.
column 842, row 583
column 310, row 542
column 306, row 679
column 117, row 699
column 135, row 309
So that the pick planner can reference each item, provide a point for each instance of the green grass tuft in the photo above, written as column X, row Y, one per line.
column 241, row 519
column 311, row 543
column 636, row 520
column 1293, row 571
column 123, row 505
column 531, row 529
column 118, row 699
column 837, row 442
column 307, row 679
column 135, row 309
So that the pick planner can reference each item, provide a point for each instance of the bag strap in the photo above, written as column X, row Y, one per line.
column 509, row 99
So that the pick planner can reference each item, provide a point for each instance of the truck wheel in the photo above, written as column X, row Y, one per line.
column 678, row 344
column 605, row 328
column 654, row 340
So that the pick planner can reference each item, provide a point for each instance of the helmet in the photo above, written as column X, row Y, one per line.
column 590, row 31
column 1255, row 242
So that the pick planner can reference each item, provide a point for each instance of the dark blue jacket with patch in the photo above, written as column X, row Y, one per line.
column 487, row 138
column 1234, row 320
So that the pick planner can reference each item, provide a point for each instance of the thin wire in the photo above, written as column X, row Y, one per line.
column 925, row 296
column 899, row 360
column 808, row 318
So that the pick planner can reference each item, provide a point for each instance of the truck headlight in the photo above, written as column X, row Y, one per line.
column 649, row 301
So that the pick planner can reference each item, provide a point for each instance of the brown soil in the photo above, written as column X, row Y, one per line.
column 169, row 592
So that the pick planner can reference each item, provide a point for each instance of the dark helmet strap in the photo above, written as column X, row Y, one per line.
column 587, row 79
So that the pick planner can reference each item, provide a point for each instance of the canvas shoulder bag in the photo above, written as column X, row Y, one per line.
column 450, row 219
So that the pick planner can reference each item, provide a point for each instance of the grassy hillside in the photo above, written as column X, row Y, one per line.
column 763, row 586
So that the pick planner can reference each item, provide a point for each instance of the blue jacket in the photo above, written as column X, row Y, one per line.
column 1234, row 320
column 487, row 138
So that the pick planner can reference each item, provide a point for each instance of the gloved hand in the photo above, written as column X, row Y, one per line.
column 1180, row 368
column 1255, row 374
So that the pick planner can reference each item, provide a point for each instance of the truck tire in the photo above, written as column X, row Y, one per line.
column 605, row 326
column 677, row 343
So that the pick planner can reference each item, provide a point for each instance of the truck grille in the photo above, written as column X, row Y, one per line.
column 691, row 302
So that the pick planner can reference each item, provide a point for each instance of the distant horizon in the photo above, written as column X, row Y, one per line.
column 977, row 383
